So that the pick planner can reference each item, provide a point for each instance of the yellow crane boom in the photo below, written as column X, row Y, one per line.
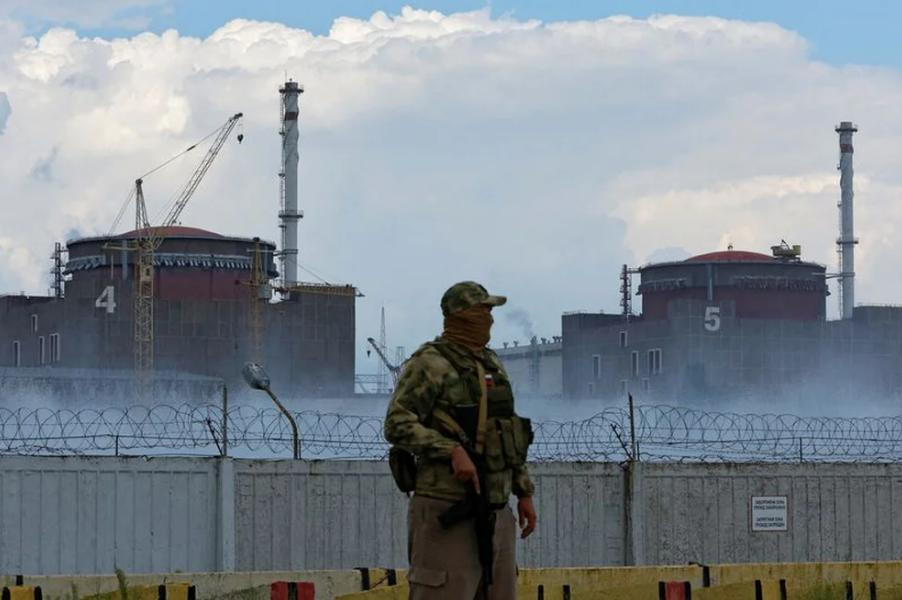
column 149, row 239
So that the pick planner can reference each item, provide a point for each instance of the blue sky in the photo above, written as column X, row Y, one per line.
column 840, row 32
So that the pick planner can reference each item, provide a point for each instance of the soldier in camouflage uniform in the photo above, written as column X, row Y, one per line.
column 457, row 370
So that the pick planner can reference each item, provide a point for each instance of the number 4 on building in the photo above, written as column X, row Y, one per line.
column 107, row 299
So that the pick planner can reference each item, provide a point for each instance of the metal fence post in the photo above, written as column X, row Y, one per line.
column 225, row 421
column 634, row 444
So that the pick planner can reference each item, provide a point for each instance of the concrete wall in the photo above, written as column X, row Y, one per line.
column 327, row 514
column 89, row 515
column 335, row 514
column 836, row 513
column 581, row 516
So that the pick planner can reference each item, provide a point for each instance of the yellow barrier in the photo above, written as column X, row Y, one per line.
column 786, row 581
column 724, row 582
column 177, row 591
column 748, row 590
column 890, row 593
column 601, row 578
column 579, row 580
column 886, row 574
column 22, row 592
column 757, row 590
column 169, row 591
column 645, row 591
column 732, row 591
column 372, row 578
column 397, row 592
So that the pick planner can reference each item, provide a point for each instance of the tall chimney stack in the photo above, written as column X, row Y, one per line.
column 846, row 242
column 288, row 210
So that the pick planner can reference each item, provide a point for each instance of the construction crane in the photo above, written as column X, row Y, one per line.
column 395, row 370
column 260, row 293
column 148, row 240
column 383, row 386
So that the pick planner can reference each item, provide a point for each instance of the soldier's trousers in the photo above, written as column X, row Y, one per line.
column 444, row 563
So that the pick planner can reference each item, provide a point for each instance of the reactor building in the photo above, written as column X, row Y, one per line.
column 208, row 307
column 732, row 325
column 727, row 326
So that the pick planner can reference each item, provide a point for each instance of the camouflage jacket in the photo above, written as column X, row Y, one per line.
column 440, row 375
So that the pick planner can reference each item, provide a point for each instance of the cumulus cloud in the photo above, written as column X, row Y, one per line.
column 20, row 272
column 536, row 157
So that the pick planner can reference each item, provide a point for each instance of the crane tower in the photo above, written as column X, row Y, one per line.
column 149, row 238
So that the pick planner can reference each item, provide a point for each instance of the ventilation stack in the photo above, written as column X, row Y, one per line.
column 846, row 242
column 288, row 210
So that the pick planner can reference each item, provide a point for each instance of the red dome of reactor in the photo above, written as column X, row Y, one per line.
column 190, row 264
column 752, row 284
column 731, row 256
column 174, row 231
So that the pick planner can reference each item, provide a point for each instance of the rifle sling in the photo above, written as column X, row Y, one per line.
column 483, row 407
column 453, row 427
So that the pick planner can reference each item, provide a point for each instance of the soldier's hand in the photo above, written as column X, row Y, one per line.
column 463, row 468
column 526, row 512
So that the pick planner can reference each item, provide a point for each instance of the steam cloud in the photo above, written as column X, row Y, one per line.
column 520, row 317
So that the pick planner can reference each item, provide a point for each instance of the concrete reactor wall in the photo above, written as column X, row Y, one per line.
column 707, row 352
column 534, row 369
column 89, row 515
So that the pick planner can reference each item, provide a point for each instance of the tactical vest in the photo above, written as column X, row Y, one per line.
column 506, row 436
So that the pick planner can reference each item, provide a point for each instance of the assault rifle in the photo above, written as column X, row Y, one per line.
column 474, row 506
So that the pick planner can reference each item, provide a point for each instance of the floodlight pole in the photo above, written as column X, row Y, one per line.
column 257, row 378
column 295, row 442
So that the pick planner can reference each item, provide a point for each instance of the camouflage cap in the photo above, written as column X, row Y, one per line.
column 466, row 294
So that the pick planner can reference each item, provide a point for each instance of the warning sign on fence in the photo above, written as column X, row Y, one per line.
column 769, row 513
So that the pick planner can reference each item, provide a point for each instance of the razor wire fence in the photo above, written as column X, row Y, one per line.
column 659, row 433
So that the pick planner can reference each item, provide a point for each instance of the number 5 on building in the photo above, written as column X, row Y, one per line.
column 107, row 299
column 712, row 318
